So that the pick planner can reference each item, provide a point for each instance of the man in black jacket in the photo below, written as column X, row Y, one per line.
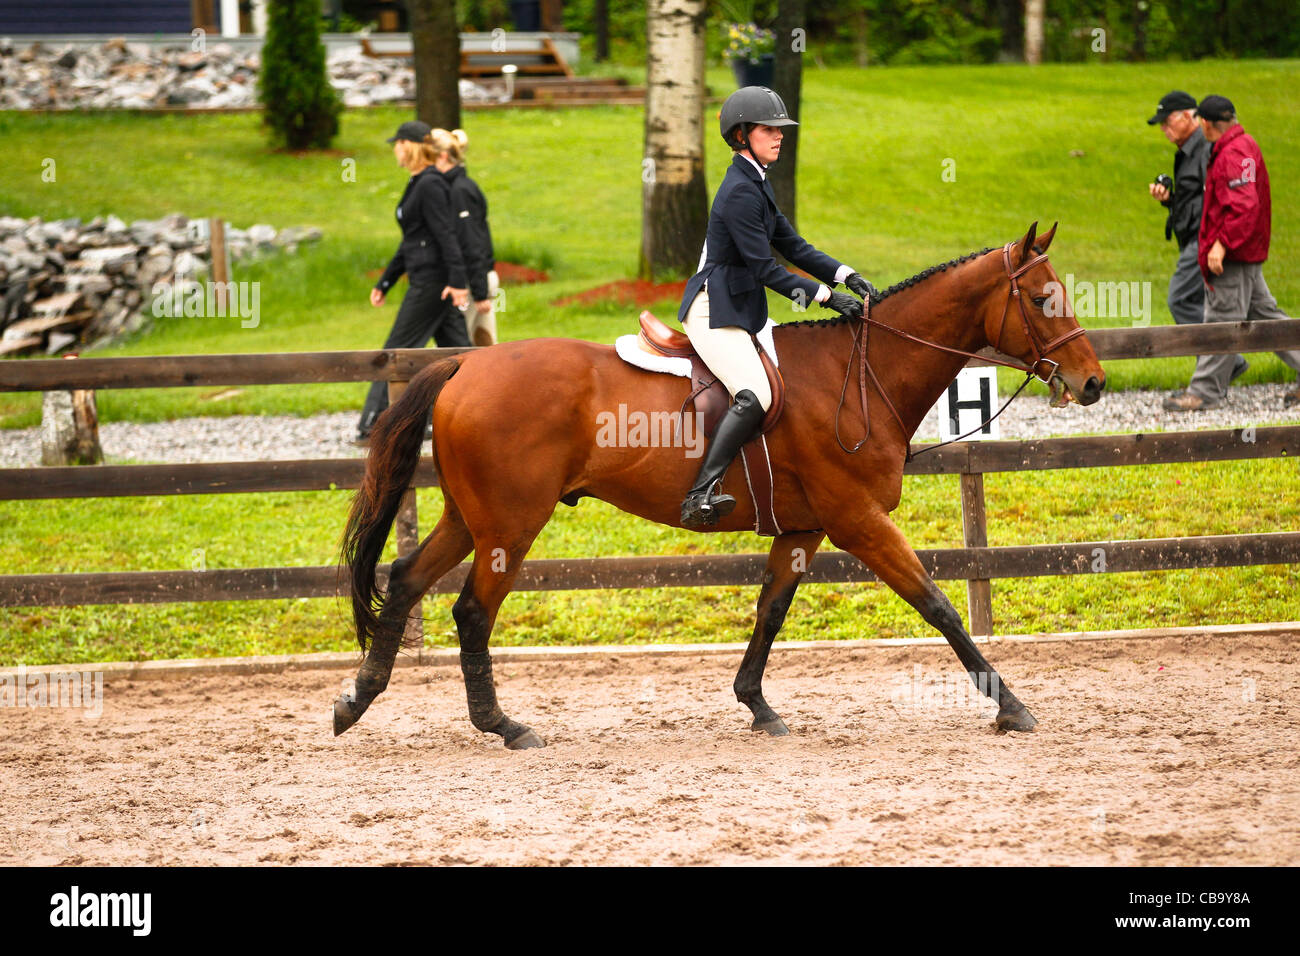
column 1176, row 115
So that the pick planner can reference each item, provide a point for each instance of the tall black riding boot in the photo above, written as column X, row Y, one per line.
column 701, row 509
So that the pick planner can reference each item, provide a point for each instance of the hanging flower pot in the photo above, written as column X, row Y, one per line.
column 750, row 51
column 750, row 73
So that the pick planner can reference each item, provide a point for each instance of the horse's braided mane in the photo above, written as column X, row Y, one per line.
column 897, row 287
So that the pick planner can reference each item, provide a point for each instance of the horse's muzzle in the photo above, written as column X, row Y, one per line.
column 1062, row 393
column 1091, row 392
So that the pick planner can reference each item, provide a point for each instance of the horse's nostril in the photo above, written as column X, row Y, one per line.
column 1092, row 390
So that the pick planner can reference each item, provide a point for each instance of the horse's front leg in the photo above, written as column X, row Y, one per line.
column 876, row 541
column 786, row 563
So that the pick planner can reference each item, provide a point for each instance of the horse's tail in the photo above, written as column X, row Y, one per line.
column 395, row 443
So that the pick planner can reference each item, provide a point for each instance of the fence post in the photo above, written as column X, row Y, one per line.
column 408, row 533
column 220, row 262
column 979, row 591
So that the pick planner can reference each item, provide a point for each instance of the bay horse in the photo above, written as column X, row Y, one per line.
column 514, row 429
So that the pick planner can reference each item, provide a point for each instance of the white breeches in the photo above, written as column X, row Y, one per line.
column 482, row 326
column 728, row 352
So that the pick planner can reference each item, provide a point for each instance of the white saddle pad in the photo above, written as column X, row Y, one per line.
column 630, row 350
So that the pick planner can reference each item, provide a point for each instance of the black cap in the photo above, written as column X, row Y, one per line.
column 1172, row 103
column 412, row 130
column 1216, row 108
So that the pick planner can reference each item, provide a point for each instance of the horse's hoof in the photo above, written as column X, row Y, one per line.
column 525, row 741
column 346, row 714
column 775, row 727
column 1017, row 718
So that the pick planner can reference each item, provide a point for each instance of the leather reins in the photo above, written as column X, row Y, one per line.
column 1040, row 352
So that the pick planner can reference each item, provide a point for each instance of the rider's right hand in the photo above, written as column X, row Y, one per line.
column 845, row 304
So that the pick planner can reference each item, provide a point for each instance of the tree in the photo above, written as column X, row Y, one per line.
column 435, row 41
column 1034, row 30
column 600, row 24
column 1141, row 14
column 674, row 197
column 1013, row 47
column 787, row 79
column 302, row 108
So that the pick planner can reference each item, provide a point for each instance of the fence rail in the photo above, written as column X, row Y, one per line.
column 977, row 563
column 296, row 368
column 665, row 571
column 968, row 458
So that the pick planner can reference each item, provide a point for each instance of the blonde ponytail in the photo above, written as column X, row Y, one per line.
column 452, row 143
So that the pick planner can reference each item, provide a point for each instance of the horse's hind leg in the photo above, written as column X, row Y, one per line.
column 786, row 563
column 410, row 577
column 496, row 563
column 877, row 542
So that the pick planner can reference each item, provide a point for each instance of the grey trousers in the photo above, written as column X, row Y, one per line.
column 1187, row 288
column 1239, row 295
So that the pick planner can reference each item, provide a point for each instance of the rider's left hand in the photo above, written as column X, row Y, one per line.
column 859, row 286
column 845, row 305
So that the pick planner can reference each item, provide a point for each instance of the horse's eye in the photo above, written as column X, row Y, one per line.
column 1040, row 300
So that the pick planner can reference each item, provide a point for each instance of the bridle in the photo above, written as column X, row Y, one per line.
column 1039, row 349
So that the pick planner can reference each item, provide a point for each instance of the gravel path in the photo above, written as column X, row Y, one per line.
column 252, row 437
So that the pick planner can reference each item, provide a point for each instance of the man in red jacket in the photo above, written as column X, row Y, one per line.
column 1232, row 247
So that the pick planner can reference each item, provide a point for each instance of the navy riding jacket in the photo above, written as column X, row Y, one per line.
column 744, row 227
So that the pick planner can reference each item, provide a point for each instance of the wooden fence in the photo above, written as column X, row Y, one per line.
column 977, row 562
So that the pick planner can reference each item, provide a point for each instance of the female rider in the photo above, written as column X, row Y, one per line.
column 724, row 302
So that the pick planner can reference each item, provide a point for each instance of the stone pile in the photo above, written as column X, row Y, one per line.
column 122, row 75
column 65, row 283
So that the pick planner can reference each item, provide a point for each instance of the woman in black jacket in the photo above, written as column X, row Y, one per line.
column 469, row 209
column 431, row 257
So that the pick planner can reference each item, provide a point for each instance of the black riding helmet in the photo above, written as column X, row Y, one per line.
column 751, row 104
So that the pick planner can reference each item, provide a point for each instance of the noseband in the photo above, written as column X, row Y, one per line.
column 1039, row 350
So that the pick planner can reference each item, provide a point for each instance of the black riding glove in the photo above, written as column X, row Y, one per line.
column 859, row 286
column 844, row 304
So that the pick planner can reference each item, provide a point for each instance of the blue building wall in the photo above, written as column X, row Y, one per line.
column 95, row 16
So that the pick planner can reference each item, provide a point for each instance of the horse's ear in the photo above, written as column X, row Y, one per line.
column 1026, row 244
column 1045, row 239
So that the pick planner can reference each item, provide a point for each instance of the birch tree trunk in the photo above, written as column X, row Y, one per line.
column 435, row 42
column 674, row 197
column 1034, row 30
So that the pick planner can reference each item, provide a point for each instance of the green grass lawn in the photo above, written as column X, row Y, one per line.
column 564, row 189
column 228, row 531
